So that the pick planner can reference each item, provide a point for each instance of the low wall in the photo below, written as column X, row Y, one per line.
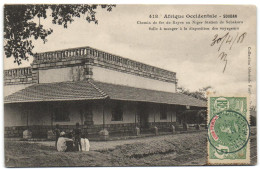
column 40, row 131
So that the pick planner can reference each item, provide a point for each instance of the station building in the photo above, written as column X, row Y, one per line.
column 97, row 89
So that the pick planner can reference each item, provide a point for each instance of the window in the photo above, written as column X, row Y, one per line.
column 163, row 112
column 117, row 112
column 61, row 114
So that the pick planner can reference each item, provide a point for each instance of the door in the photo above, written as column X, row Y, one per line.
column 144, row 120
column 143, row 114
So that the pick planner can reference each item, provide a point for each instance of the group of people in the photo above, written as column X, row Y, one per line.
column 72, row 141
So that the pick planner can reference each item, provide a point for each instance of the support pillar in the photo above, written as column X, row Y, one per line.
column 50, row 133
column 154, row 127
column 103, row 111
column 135, row 120
column 27, row 119
column 104, row 134
column 27, row 134
column 197, row 127
column 137, row 129
column 51, row 119
column 171, row 117
column 173, row 129
column 81, row 117
column 154, row 119
column 185, row 126
column 155, row 130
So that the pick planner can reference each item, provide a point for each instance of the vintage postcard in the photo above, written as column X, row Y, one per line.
column 129, row 85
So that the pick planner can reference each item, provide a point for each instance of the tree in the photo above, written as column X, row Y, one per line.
column 20, row 26
column 200, row 94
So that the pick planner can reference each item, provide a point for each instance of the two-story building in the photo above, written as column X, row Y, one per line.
column 95, row 88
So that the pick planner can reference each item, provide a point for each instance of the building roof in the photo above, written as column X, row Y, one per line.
column 119, row 92
column 61, row 91
column 91, row 90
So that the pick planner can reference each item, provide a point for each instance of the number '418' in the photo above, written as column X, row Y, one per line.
column 153, row 16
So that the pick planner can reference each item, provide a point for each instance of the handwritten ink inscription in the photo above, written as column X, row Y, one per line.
column 228, row 42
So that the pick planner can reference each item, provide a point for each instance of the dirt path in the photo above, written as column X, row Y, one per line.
column 108, row 145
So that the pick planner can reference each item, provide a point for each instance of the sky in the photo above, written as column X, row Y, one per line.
column 188, row 53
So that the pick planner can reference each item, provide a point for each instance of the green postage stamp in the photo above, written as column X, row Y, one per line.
column 228, row 130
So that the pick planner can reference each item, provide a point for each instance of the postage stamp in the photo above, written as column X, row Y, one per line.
column 228, row 130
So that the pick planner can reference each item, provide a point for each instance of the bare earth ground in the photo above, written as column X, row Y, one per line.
column 167, row 150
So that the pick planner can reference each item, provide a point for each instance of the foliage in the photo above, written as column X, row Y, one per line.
column 200, row 94
column 20, row 26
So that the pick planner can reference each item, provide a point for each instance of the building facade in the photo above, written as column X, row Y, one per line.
column 97, row 89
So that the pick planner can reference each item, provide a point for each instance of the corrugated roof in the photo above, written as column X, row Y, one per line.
column 89, row 90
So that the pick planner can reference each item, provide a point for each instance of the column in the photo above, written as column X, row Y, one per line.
column 104, row 134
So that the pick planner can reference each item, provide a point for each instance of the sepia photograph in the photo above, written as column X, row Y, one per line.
column 123, row 85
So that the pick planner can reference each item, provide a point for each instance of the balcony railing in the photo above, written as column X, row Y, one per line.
column 79, row 53
column 20, row 72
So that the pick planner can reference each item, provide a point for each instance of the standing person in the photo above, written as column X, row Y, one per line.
column 77, row 136
column 57, row 134
column 85, row 143
column 82, row 141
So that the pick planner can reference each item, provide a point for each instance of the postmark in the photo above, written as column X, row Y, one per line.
column 228, row 130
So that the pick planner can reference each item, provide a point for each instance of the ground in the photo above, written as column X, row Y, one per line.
column 167, row 150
